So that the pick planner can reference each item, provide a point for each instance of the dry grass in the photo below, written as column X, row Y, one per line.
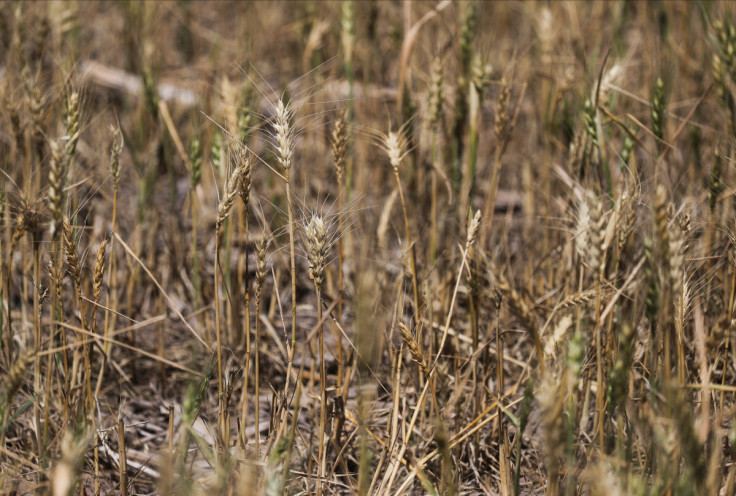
column 480, row 248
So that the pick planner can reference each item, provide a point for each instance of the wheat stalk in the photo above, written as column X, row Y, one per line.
column 395, row 144
column 339, row 140
column 318, row 246
column 116, row 149
column 57, row 179
column 223, row 211
column 261, row 270
column 74, row 269
column 285, row 143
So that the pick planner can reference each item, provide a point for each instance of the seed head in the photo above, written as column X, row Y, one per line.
column 677, row 248
column 502, row 111
column 658, row 109
column 318, row 246
column 479, row 73
column 246, row 163
column 394, row 144
column 217, row 152
column 244, row 114
column 437, row 92
column 597, row 231
column 413, row 346
column 72, row 259
column 339, row 141
column 627, row 216
column 661, row 220
column 284, row 134
column 590, row 232
column 21, row 226
column 195, row 158
column 473, row 229
column 116, row 148
column 57, row 177
column 261, row 266
column 223, row 209
column 99, row 270
column 71, row 117
column 16, row 373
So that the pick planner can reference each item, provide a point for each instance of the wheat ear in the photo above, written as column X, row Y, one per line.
column 395, row 144
column 317, row 252
column 339, row 140
column 223, row 211
column 285, row 143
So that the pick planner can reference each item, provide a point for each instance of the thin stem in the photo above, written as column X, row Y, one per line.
column 244, row 410
column 490, row 205
column 195, row 254
column 37, row 343
column 340, row 364
column 111, row 293
column 256, row 368
column 600, row 390
column 123, row 466
column 220, row 390
column 56, row 273
column 292, row 268
column 409, row 241
column 323, row 393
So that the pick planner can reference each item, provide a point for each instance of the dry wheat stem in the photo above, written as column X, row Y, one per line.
column 260, row 278
column 223, row 211
column 285, row 142
column 318, row 244
column 394, row 144
column 339, row 139
column 74, row 268
column 116, row 149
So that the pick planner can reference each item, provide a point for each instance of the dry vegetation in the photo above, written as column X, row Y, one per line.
column 367, row 248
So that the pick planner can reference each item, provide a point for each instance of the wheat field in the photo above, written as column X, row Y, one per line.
column 367, row 247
